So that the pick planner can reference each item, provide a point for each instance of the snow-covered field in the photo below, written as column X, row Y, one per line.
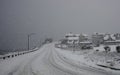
column 49, row 60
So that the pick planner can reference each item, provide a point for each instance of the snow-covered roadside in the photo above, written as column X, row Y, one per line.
column 14, row 54
column 8, row 66
column 83, row 59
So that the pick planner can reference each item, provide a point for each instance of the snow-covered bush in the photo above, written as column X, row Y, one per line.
column 107, row 49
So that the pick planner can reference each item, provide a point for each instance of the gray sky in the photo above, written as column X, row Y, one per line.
column 54, row 18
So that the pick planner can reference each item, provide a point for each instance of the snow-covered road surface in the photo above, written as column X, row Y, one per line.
column 46, row 61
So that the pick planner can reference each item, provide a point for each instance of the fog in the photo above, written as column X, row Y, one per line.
column 54, row 18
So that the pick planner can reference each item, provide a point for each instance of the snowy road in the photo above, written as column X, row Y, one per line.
column 46, row 61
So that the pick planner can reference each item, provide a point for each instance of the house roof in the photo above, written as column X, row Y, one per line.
column 69, row 34
column 73, row 38
column 85, row 35
column 109, row 37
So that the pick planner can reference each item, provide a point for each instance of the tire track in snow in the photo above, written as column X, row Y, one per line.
column 50, row 68
column 57, row 66
column 83, row 68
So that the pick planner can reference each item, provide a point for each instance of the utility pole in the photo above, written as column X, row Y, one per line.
column 73, row 46
column 29, row 35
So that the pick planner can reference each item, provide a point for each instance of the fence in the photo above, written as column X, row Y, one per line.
column 14, row 54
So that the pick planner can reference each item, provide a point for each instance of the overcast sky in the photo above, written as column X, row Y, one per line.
column 54, row 18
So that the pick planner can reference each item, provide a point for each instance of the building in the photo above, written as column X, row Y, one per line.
column 117, row 36
column 84, row 42
column 86, row 45
column 72, row 38
column 78, row 40
column 110, row 39
column 98, row 38
column 83, row 37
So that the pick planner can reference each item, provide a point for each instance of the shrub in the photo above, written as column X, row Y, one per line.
column 118, row 49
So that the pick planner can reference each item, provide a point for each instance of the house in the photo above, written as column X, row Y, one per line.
column 117, row 36
column 110, row 39
column 72, row 38
column 83, row 37
column 98, row 38
column 86, row 45
column 78, row 40
column 84, row 42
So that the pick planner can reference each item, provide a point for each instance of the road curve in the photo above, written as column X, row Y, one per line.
column 48, row 61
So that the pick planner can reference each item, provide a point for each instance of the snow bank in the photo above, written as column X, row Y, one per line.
column 91, row 59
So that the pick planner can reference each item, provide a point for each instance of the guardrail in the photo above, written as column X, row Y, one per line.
column 14, row 54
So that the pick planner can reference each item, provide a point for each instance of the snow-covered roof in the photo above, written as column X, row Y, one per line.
column 73, row 38
column 113, row 37
column 117, row 40
column 69, row 34
column 72, row 35
column 113, row 41
column 107, row 37
column 84, row 35
column 77, row 35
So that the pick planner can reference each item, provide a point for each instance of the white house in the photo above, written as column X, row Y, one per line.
column 72, row 38
column 77, row 40
column 117, row 36
column 110, row 39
